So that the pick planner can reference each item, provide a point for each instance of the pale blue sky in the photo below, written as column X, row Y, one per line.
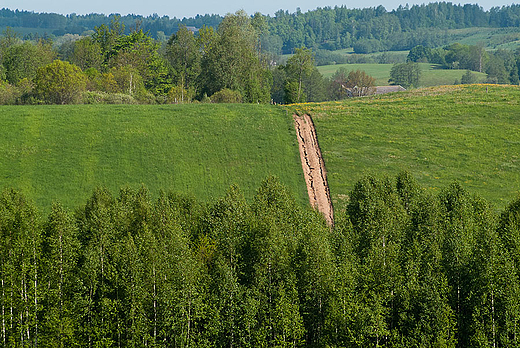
column 188, row 8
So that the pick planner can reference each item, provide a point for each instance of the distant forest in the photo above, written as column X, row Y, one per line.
column 238, row 58
column 373, row 29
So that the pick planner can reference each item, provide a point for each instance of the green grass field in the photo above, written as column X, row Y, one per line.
column 431, row 74
column 440, row 135
column 61, row 153
column 490, row 38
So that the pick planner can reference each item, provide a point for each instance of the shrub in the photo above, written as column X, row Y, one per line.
column 145, row 97
column 468, row 78
column 60, row 83
column 179, row 94
column 226, row 95
column 9, row 94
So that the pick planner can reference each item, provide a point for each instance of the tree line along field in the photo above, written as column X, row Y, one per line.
column 443, row 134
column 61, row 153
column 431, row 74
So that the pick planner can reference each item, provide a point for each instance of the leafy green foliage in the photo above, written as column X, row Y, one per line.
column 420, row 54
column 232, row 61
column 60, row 83
column 400, row 267
column 23, row 60
column 184, row 57
column 468, row 78
column 298, row 68
column 405, row 74
column 226, row 96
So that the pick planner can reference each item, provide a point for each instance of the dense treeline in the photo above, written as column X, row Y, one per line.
column 113, row 67
column 224, row 65
column 376, row 29
column 58, row 24
column 233, row 63
column 400, row 268
column 367, row 30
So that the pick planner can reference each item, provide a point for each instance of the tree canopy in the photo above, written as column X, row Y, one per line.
column 400, row 267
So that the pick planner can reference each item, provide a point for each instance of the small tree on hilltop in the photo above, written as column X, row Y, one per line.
column 468, row 78
column 405, row 74
column 336, row 90
column 60, row 83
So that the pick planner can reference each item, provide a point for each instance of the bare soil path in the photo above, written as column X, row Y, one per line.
column 313, row 167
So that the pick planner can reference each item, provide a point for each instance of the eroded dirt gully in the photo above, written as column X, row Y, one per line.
column 313, row 167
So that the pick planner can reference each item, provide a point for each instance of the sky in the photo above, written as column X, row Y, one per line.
column 188, row 8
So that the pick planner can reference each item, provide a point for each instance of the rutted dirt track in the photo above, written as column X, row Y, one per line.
column 313, row 167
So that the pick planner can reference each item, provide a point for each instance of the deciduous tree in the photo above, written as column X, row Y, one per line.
column 60, row 83
column 405, row 74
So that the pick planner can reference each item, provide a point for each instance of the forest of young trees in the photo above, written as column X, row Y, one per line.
column 400, row 268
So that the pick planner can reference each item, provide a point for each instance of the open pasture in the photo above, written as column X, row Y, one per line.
column 432, row 75
column 61, row 153
column 467, row 133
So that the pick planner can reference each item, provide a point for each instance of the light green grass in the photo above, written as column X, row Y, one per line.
column 490, row 38
column 61, row 153
column 439, row 134
column 400, row 54
column 431, row 74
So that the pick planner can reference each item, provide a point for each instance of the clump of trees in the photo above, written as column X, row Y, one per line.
column 109, row 66
column 400, row 267
column 405, row 74
column 344, row 84
column 501, row 66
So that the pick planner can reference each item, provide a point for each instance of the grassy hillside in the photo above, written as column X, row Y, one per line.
column 491, row 38
column 470, row 134
column 431, row 74
column 63, row 152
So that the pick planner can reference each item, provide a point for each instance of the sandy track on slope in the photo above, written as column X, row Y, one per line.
column 313, row 167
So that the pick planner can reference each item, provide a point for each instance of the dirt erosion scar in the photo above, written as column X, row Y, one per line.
column 313, row 167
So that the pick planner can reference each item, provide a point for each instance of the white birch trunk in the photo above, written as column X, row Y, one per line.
column 3, row 313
